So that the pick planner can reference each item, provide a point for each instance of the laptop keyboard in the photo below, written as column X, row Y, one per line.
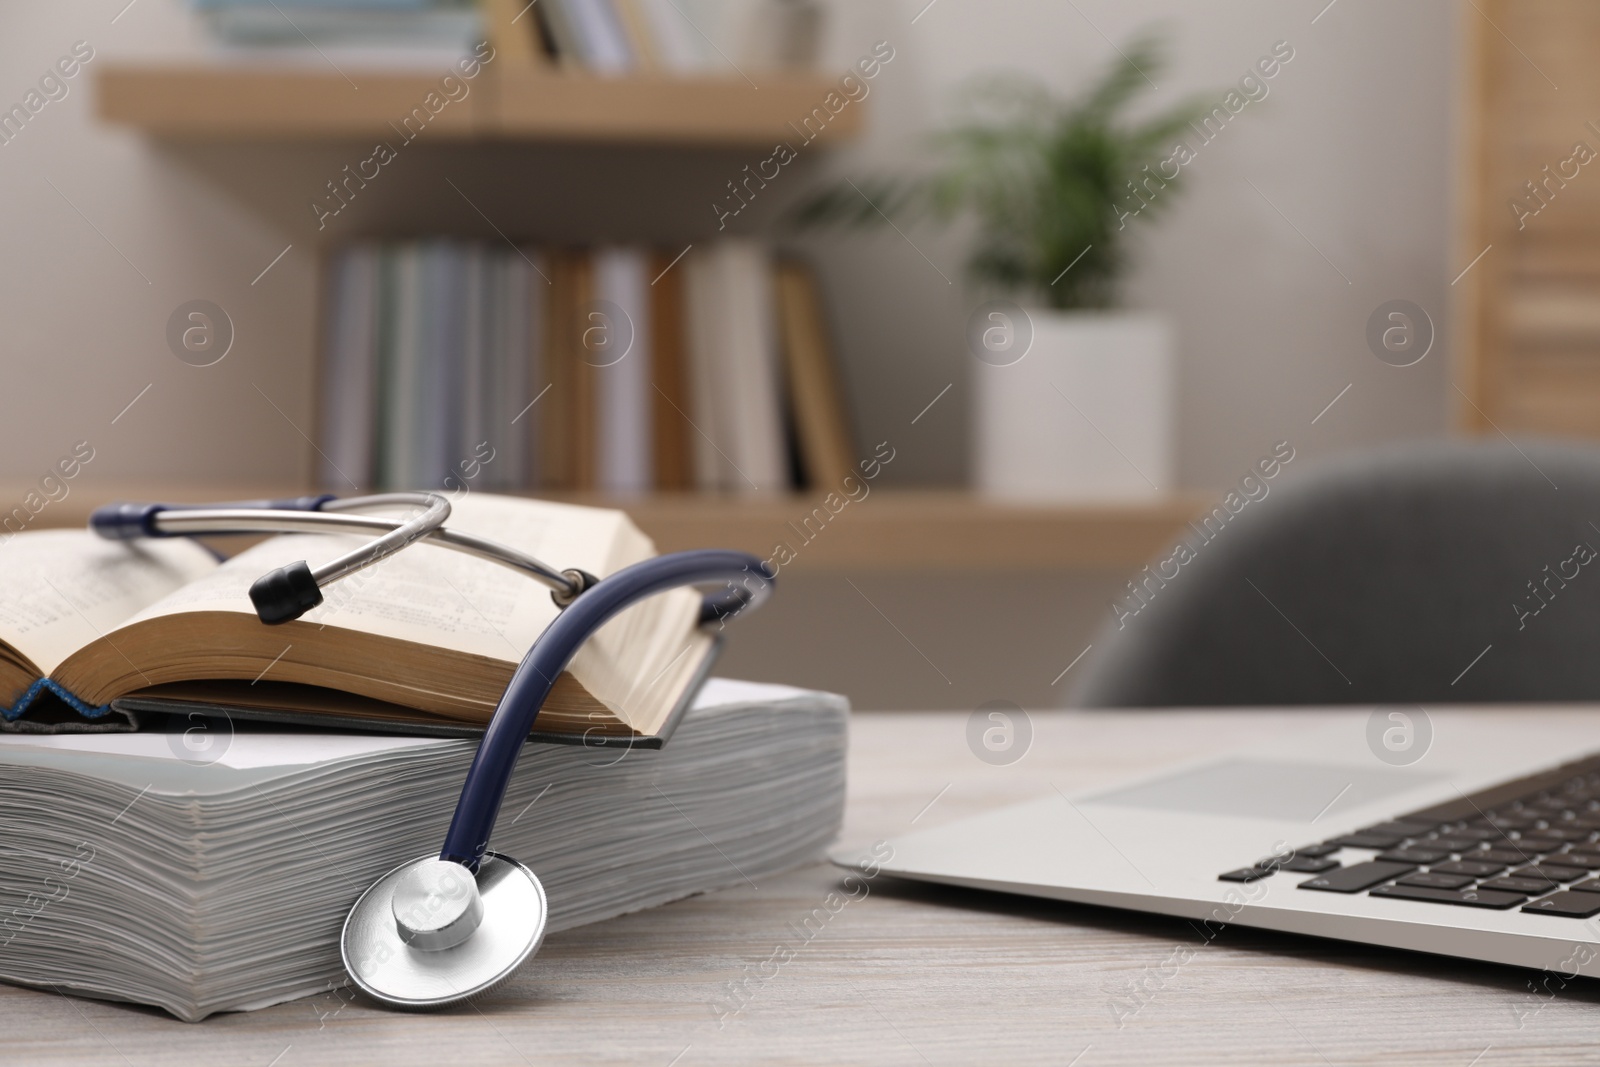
column 1532, row 843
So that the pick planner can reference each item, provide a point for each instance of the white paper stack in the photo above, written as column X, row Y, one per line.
column 129, row 871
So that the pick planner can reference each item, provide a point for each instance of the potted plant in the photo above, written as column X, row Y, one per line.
column 1073, row 396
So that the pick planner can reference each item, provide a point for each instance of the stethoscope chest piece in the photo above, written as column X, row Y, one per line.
column 430, row 933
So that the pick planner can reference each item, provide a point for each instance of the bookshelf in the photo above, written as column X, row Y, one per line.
column 527, row 102
column 518, row 96
column 889, row 530
column 521, row 96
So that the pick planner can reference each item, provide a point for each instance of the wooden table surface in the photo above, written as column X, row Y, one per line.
column 906, row 974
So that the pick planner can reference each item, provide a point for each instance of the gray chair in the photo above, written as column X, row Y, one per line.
column 1377, row 578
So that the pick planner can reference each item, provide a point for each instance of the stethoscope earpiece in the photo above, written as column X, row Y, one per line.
column 430, row 933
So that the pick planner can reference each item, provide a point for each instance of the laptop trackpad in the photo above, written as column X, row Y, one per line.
column 1266, row 789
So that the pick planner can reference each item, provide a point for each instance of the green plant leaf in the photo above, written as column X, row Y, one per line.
column 1052, row 182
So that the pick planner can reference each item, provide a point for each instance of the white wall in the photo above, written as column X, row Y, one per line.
column 1352, row 146
column 84, row 327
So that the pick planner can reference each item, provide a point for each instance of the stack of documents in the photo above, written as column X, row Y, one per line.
column 213, row 873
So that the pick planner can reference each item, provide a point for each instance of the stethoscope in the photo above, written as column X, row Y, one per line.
column 446, row 927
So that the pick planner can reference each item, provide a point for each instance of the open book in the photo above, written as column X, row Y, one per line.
column 428, row 637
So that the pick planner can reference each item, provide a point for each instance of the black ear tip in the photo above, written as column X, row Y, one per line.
column 284, row 594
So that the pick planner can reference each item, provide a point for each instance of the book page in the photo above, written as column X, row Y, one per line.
column 62, row 589
column 432, row 595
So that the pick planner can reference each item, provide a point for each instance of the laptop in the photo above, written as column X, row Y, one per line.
column 1487, row 847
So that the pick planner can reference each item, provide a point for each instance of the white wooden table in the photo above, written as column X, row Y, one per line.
column 906, row 974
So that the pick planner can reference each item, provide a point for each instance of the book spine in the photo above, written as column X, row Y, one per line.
column 605, row 41
column 555, row 450
column 641, row 41
column 534, row 407
column 557, row 19
column 403, row 369
column 753, row 399
column 513, row 27
column 509, row 367
column 623, row 405
column 349, row 370
column 479, row 335
column 701, row 312
column 544, row 35
column 583, row 428
column 439, row 404
column 679, row 48
column 822, row 427
column 672, row 421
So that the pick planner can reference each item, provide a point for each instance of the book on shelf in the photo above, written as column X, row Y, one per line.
column 451, row 24
column 732, row 333
column 617, row 369
column 170, row 870
column 822, row 437
column 619, row 349
column 426, row 641
column 677, row 37
column 671, row 429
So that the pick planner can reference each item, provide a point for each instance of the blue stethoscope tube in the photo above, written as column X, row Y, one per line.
column 513, row 718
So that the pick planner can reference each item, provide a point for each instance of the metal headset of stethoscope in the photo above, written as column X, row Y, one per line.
column 440, row 929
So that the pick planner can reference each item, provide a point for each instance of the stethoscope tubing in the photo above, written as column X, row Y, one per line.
column 485, row 787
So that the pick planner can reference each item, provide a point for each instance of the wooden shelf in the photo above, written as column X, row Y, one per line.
column 888, row 530
column 906, row 530
column 517, row 101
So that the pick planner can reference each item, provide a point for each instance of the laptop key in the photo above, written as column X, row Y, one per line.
column 1553, row 875
column 1359, row 876
column 1431, row 880
column 1403, row 827
column 1308, row 864
column 1591, row 886
column 1414, row 855
column 1477, row 833
column 1537, row 844
column 1570, row 905
column 1468, row 867
column 1315, row 851
column 1589, row 861
column 1449, row 843
column 1364, row 840
column 1507, row 856
column 1558, row 834
column 1531, row 886
column 1560, row 874
column 1246, row 874
column 1471, row 898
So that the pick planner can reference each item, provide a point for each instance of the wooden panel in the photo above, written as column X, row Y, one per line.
column 905, row 530
column 885, row 530
column 511, row 29
column 215, row 102
column 1529, row 313
column 546, row 103
column 514, row 101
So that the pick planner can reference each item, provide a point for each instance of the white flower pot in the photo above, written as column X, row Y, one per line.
column 1087, row 415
